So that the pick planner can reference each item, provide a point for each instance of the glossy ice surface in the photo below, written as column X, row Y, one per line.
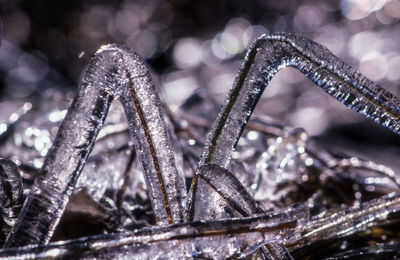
column 226, row 213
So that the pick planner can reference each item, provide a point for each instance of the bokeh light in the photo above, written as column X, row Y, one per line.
column 199, row 45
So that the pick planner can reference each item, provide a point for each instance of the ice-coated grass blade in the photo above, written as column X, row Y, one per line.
column 221, row 195
column 348, row 221
column 272, row 52
column 11, row 197
column 115, row 72
column 216, row 239
column 285, row 229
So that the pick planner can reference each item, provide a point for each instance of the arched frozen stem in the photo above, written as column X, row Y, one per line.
column 266, row 57
column 115, row 72
column 272, row 52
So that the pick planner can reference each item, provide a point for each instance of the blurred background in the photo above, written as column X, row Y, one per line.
column 200, row 44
